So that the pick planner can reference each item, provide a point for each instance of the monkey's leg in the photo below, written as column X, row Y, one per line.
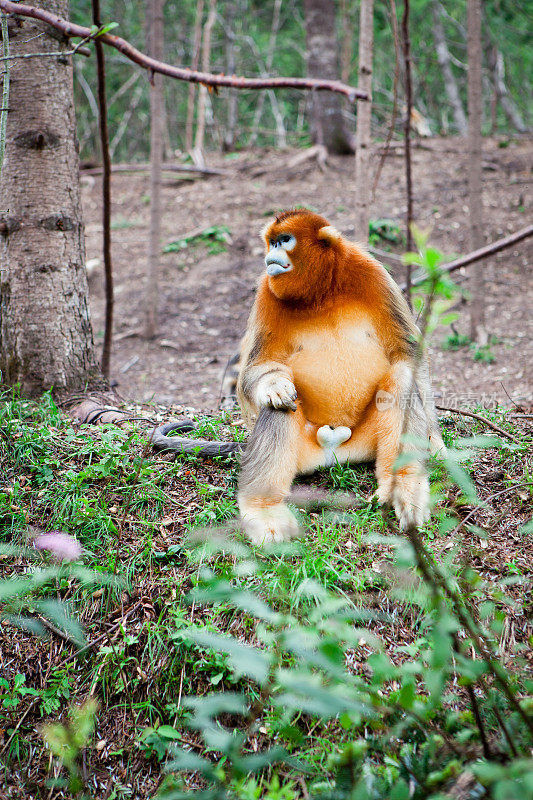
column 269, row 465
column 399, row 410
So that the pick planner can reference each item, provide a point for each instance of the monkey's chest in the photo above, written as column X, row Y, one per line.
column 336, row 373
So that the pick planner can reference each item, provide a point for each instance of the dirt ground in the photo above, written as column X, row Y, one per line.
column 205, row 299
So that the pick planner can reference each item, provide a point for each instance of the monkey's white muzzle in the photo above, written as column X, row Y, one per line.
column 277, row 262
column 274, row 269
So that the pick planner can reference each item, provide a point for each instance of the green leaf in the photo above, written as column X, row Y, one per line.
column 168, row 732
column 55, row 611
column 224, row 591
column 107, row 27
column 188, row 761
column 244, row 659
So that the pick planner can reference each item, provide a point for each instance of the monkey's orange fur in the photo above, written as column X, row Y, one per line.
column 335, row 328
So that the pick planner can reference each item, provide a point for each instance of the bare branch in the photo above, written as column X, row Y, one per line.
column 71, row 29
column 478, row 255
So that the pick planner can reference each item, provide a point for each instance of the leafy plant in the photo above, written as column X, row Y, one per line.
column 386, row 229
column 216, row 238
column 456, row 341
column 67, row 741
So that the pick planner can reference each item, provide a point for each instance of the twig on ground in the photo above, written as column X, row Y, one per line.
column 486, row 422
column 19, row 723
column 185, row 168
column 488, row 500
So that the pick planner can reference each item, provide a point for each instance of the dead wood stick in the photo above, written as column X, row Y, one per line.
column 188, row 168
column 92, row 645
column 485, row 421
column 477, row 255
column 71, row 29
column 488, row 500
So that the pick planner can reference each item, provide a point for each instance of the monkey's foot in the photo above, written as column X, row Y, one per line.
column 409, row 496
column 267, row 524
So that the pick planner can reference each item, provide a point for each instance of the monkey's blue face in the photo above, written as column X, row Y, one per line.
column 277, row 259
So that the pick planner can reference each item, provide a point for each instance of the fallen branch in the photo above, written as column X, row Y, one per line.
column 476, row 255
column 486, row 422
column 187, row 168
column 489, row 499
column 71, row 29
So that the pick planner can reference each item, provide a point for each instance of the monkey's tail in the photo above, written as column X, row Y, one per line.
column 202, row 447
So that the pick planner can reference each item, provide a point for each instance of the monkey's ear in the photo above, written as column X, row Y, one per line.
column 329, row 234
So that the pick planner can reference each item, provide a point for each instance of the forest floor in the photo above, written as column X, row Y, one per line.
column 133, row 511
column 205, row 298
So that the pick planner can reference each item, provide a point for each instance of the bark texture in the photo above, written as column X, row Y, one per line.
column 477, row 303
column 364, row 111
column 328, row 126
column 45, row 332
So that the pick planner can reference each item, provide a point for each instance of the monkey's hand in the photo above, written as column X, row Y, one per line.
column 408, row 494
column 276, row 390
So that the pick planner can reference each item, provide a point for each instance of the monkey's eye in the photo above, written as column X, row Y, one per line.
column 285, row 238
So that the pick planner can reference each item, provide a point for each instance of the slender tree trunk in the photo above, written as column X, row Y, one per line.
column 501, row 94
column 328, row 126
column 443, row 57
column 346, row 41
column 156, row 153
column 45, row 332
column 228, row 141
column 268, row 66
column 477, row 307
column 364, row 111
column 194, row 65
column 206, row 57
column 407, row 137
column 106, row 196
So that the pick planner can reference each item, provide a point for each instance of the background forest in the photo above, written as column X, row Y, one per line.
column 241, row 43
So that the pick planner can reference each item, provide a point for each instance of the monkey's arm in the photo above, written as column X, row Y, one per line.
column 265, row 380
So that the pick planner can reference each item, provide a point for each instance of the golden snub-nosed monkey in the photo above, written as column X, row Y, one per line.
column 328, row 374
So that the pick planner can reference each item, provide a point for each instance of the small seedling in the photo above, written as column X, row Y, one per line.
column 216, row 238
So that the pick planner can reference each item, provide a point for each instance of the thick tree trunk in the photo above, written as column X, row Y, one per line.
column 364, row 111
column 443, row 57
column 45, row 332
column 477, row 303
column 328, row 126
column 156, row 156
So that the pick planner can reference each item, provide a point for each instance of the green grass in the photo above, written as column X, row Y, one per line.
column 133, row 512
